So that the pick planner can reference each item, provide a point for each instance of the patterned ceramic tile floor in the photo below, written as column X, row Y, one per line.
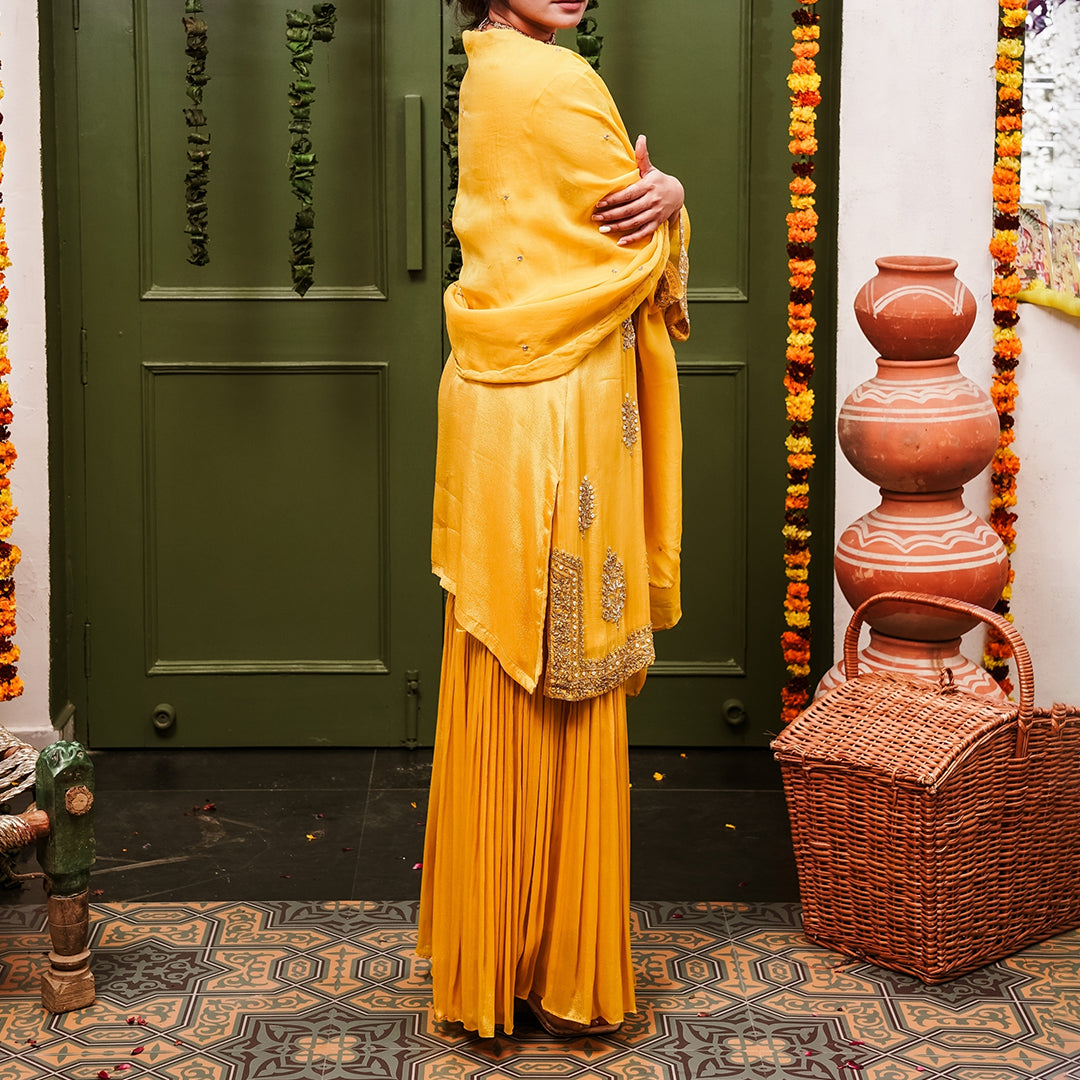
column 287, row 990
column 202, row 927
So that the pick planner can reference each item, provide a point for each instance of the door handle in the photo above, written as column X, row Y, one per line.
column 414, row 183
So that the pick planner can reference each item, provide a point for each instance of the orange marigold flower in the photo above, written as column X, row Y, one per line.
column 802, row 218
column 803, row 146
column 1010, row 348
column 1006, row 286
column 805, row 49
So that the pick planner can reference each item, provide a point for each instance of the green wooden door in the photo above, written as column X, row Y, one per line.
column 706, row 80
column 258, row 467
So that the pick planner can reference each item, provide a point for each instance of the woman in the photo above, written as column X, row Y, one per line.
column 557, row 524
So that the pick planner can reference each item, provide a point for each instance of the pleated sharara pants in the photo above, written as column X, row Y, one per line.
column 526, row 874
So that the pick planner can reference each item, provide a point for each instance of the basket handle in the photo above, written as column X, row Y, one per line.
column 1024, row 670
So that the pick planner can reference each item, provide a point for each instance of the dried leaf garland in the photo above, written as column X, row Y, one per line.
column 804, row 85
column 198, row 141
column 301, row 32
column 455, row 72
column 11, row 685
column 589, row 42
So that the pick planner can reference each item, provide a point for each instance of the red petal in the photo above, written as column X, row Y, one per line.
column 138, row 1049
column 103, row 1075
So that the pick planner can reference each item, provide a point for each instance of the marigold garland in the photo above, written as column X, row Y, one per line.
column 1009, row 74
column 10, row 684
column 198, row 152
column 804, row 84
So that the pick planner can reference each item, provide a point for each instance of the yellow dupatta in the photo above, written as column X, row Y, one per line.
column 537, row 322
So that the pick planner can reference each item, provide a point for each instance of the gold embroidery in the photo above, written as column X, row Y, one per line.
column 570, row 676
column 629, row 422
column 684, row 275
column 586, row 513
column 613, row 588
column 629, row 335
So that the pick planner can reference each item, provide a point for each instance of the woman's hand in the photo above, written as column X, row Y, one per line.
column 640, row 209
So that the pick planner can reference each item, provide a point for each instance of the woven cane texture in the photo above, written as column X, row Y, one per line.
column 934, row 831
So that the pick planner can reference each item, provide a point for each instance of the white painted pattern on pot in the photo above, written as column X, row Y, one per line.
column 877, row 304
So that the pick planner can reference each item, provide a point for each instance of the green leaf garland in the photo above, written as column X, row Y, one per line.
column 198, row 141
column 301, row 32
column 455, row 72
column 589, row 42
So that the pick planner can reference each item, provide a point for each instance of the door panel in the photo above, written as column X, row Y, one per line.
column 247, row 108
column 258, row 466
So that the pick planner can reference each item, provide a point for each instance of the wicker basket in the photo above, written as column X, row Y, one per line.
column 934, row 830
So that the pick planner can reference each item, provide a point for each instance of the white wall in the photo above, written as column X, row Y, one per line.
column 916, row 153
column 29, row 714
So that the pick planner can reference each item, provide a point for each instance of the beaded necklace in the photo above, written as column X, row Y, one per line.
column 491, row 24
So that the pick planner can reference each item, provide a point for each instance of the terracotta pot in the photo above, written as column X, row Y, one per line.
column 918, row 425
column 914, row 308
column 925, row 660
column 929, row 543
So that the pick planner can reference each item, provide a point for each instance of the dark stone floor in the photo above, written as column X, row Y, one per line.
column 284, row 824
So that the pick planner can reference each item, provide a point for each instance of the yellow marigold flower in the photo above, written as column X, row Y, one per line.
column 1013, row 47
column 799, row 444
column 797, row 574
column 798, row 489
column 799, row 669
column 802, row 81
column 800, row 339
column 800, row 407
column 806, row 33
column 797, row 618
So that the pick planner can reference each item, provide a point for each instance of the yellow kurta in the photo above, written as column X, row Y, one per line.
column 557, row 522
column 545, row 397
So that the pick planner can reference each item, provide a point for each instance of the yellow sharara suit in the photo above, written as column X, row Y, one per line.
column 557, row 524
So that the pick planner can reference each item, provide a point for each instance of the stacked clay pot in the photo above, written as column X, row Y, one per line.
column 920, row 430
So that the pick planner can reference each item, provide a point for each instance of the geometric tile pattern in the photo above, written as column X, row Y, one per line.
column 286, row 990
